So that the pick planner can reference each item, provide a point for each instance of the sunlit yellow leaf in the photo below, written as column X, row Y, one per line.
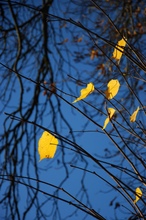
column 112, row 88
column 85, row 92
column 138, row 194
column 47, row 145
column 120, row 45
column 133, row 116
column 111, row 112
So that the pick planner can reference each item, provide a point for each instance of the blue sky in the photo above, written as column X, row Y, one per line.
column 55, row 170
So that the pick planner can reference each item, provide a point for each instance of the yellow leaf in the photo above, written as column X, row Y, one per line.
column 133, row 116
column 112, row 88
column 111, row 112
column 120, row 45
column 85, row 92
column 138, row 194
column 47, row 145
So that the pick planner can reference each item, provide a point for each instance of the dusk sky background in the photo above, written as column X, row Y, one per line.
column 62, row 52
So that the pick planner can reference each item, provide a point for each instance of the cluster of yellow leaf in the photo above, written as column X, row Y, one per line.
column 111, row 92
column 133, row 116
column 138, row 194
column 112, row 88
column 118, row 51
column 85, row 92
column 111, row 112
column 47, row 145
